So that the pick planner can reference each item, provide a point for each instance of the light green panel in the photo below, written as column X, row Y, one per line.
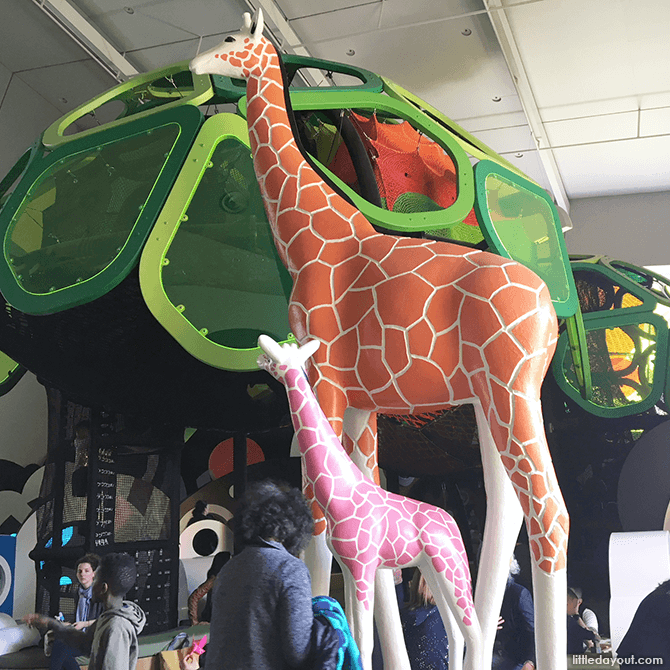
column 10, row 373
column 141, row 96
column 520, row 221
column 210, row 272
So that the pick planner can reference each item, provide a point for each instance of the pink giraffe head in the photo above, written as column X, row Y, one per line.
column 238, row 55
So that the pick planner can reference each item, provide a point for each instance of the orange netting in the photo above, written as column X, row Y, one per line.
column 404, row 161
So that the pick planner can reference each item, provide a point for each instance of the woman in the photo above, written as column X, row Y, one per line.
column 87, row 611
column 201, row 591
column 425, row 636
column 262, row 598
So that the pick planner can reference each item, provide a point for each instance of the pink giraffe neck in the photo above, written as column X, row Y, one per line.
column 323, row 454
column 287, row 181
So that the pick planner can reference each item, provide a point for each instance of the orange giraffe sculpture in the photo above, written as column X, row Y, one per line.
column 412, row 326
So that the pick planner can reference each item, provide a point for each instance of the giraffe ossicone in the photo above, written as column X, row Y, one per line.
column 368, row 528
column 411, row 326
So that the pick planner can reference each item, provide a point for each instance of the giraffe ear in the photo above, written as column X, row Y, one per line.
column 270, row 347
column 246, row 26
column 309, row 348
column 258, row 24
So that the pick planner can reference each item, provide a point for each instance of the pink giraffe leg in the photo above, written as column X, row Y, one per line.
column 369, row 528
column 412, row 326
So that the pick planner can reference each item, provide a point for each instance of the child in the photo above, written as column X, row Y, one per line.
column 112, row 640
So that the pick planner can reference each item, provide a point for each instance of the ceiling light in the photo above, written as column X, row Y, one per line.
column 351, row 52
column 64, row 101
column 518, row 155
column 467, row 32
column 129, row 10
column 496, row 98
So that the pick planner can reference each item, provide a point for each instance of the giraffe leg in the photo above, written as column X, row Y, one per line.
column 360, row 616
column 388, row 623
column 446, row 604
column 360, row 441
column 550, row 636
column 319, row 562
column 504, row 516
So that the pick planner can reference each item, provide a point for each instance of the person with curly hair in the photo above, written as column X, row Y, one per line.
column 262, row 598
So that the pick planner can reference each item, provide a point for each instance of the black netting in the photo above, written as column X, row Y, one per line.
column 112, row 485
column 112, row 353
column 157, row 584
column 598, row 292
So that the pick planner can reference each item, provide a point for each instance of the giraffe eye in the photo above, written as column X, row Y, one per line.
column 230, row 38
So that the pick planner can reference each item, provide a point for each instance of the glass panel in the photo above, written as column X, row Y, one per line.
column 78, row 215
column 223, row 272
column 622, row 361
column 524, row 223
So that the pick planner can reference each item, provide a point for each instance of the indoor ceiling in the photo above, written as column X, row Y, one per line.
column 574, row 92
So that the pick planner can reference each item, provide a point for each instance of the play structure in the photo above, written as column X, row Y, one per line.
column 139, row 267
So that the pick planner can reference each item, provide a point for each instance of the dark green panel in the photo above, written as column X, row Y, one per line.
column 76, row 223
column 224, row 272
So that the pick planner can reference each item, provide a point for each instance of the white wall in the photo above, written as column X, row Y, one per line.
column 633, row 228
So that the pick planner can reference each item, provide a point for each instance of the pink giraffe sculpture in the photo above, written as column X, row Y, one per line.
column 369, row 528
column 412, row 326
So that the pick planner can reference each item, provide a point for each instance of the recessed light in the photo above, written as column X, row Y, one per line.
column 129, row 10
column 64, row 101
column 351, row 52
column 496, row 98
column 518, row 155
column 467, row 32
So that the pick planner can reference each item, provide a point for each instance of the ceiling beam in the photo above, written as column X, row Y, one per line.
column 88, row 37
column 508, row 45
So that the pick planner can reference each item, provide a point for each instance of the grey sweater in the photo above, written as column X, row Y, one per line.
column 261, row 611
column 111, row 641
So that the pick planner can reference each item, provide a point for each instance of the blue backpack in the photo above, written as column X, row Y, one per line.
column 346, row 655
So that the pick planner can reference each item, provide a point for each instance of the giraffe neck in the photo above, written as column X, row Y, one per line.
column 326, row 464
column 282, row 170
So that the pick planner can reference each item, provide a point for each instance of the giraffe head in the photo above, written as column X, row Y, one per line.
column 279, row 359
column 238, row 55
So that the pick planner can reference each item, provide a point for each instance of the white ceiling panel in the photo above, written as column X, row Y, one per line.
column 508, row 140
column 138, row 30
column 655, row 122
column 30, row 39
column 213, row 16
column 5, row 77
column 35, row 114
column 164, row 55
column 459, row 75
column 68, row 86
column 493, row 122
column 325, row 30
column 628, row 166
column 293, row 9
column 401, row 12
column 575, row 51
column 593, row 129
